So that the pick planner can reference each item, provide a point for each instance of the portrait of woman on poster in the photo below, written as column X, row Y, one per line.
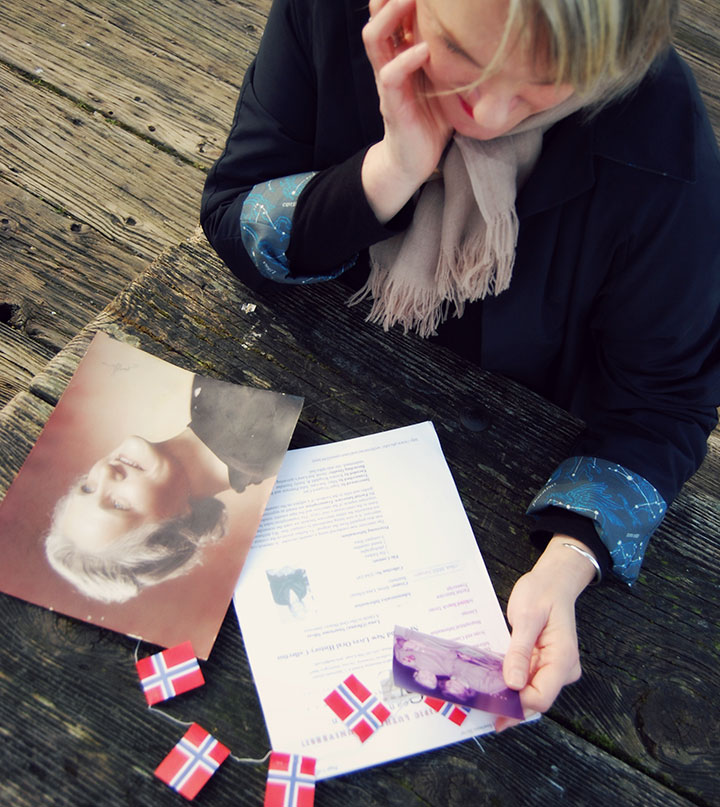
column 143, row 513
column 533, row 184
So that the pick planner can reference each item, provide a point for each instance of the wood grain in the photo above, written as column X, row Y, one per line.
column 20, row 356
column 21, row 422
column 63, row 272
column 169, row 71
column 95, row 171
column 84, row 205
column 698, row 40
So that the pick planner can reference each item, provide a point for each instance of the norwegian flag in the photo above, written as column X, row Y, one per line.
column 453, row 712
column 192, row 762
column 357, row 707
column 291, row 781
column 169, row 673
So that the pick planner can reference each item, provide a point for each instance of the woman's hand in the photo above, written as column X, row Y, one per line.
column 415, row 131
column 543, row 655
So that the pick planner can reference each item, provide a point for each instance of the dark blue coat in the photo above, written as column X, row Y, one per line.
column 614, row 306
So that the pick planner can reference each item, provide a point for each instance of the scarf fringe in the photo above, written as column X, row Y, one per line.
column 481, row 266
column 415, row 308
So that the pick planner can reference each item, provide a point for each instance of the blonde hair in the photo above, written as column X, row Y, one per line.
column 592, row 42
column 603, row 48
column 142, row 557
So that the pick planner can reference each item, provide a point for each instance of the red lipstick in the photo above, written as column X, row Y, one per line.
column 466, row 107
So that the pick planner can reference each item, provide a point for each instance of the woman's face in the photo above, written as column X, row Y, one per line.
column 135, row 485
column 463, row 37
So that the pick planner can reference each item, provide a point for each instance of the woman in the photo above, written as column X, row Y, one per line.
column 143, row 513
column 537, row 184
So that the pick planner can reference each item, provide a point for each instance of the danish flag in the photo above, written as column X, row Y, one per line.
column 291, row 781
column 357, row 707
column 169, row 673
column 192, row 762
column 453, row 712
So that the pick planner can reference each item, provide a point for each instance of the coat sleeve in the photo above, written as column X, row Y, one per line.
column 652, row 383
column 277, row 204
column 271, row 135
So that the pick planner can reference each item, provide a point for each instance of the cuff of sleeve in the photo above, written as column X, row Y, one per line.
column 624, row 508
column 554, row 520
column 266, row 221
column 334, row 219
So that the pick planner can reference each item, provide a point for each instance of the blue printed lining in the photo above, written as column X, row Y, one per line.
column 266, row 223
column 625, row 507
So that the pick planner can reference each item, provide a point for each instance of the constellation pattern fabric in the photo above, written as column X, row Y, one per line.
column 266, row 224
column 625, row 507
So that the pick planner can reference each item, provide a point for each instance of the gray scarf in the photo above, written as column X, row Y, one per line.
column 460, row 246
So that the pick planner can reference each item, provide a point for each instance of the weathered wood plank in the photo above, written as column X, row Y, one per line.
column 21, row 422
column 698, row 40
column 60, row 273
column 101, row 175
column 83, row 206
column 20, row 357
column 654, row 644
column 214, row 35
column 707, row 479
column 169, row 70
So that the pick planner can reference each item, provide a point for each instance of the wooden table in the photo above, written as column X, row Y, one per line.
column 641, row 726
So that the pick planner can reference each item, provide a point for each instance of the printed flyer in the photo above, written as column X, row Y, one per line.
column 358, row 537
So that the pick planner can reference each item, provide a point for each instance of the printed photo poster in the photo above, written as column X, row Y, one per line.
column 136, row 508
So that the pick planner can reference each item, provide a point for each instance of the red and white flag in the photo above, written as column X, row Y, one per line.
column 453, row 712
column 169, row 673
column 192, row 762
column 357, row 707
column 290, row 781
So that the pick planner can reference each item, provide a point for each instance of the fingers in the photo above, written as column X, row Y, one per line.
column 394, row 8
column 503, row 723
column 516, row 665
column 544, row 687
column 396, row 62
column 543, row 654
column 389, row 30
column 394, row 74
